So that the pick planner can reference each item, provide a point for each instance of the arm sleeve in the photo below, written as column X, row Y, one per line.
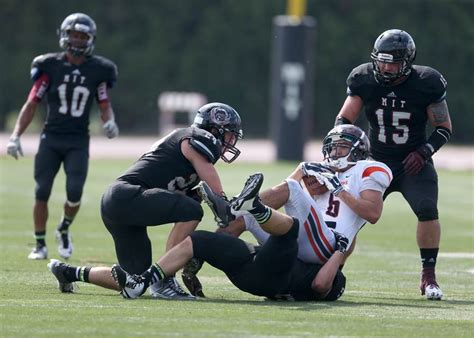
column 39, row 88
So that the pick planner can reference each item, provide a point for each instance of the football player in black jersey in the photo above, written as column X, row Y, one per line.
column 158, row 189
column 399, row 98
column 69, row 81
column 271, row 270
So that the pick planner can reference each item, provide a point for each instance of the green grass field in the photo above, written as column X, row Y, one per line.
column 381, row 299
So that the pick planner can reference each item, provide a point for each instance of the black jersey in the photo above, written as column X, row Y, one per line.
column 397, row 114
column 302, row 275
column 71, row 90
column 165, row 166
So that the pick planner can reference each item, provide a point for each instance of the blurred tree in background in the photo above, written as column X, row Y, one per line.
column 222, row 49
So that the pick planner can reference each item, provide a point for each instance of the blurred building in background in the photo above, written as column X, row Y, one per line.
column 223, row 49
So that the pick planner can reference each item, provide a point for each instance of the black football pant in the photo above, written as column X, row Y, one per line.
column 420, row 190
column 53, row 150
column 127, row 210
column 264, row 272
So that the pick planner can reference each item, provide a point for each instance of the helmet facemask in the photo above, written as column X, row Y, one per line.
column 388, row 78
column 228, row 139
column 224, row 123
column 76, row 46
column 342, row 150
column 393, row 47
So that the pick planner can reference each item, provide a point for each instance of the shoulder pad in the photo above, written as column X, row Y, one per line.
column 40, row 64
column 378, row 172
column 109, row 67
column 359, row 76
column 433, row 81
column 206, row 144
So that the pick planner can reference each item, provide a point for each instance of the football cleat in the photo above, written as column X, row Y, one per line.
column 249, row 194
column 64, row 241
column 39, row 252
column 431, row 290
column 58, row 268
column 218, row 205
column 169, row 288
column 429, row 287
column 133, row 286
column 190, row 280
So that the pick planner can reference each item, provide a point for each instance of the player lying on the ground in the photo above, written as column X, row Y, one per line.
column 271, row 270
column 345, row 192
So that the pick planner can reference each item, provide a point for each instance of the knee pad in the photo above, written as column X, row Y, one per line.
column 74, row 188
column 73, row 204
column 43, row 190
column 426, row 210
column 192, row 212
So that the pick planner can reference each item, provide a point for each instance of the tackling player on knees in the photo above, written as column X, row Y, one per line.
column 158, row 189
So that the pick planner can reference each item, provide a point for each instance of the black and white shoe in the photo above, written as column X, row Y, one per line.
column 133, row 286
column 249, row 194
column 169, row 288
column 218, row 205
column 58, row 268
column 65, row 246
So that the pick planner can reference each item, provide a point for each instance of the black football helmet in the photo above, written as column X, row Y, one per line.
column 81, row 23
column 393, row 46
column 219, row 119
column 356, row 141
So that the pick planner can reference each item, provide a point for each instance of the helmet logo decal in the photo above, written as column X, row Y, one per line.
column 220, row 116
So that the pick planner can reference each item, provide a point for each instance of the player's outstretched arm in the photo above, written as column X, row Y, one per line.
column 25, row 117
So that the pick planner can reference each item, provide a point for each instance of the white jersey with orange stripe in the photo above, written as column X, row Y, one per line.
column 317, row 217
column 365, row 175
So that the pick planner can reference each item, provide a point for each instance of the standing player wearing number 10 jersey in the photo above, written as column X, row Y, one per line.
column 70, row 81
column 399, row 98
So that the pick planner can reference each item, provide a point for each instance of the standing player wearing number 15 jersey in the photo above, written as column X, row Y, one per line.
column 70, row 81
column 399, row 99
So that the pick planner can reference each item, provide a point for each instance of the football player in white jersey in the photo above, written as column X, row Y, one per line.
column 340, row 194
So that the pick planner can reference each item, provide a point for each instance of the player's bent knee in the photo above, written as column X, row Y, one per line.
column 189, row 210
column 74, row 191
column 43, row 191
column 427, row 210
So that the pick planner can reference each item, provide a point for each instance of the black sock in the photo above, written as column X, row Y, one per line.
column 154, row 273
column 65, row 223
column 40, row 238
column 260, row 211
column 428, row 257
column 77, row 273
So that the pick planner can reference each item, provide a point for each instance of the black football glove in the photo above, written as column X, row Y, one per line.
column 341, row 241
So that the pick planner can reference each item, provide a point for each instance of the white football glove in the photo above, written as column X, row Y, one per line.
column 14, row 147
column 311, row 168
column 111, row 129
column 331, row 182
